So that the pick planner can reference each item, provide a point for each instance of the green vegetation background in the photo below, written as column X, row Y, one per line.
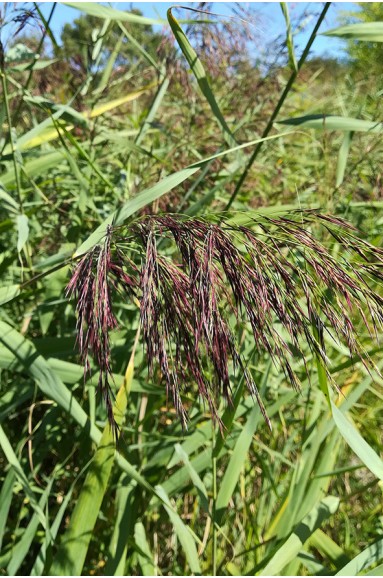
column 87, row 126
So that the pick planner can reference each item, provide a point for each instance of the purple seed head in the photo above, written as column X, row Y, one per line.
column 273, row 277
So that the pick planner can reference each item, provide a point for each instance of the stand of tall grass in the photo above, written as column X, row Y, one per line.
column 209, row 237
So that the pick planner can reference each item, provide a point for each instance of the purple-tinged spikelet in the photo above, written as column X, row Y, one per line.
column 275, row 276
column 92, row 283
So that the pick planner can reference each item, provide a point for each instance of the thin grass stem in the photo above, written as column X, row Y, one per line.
column 10, row 134
column 278, row 107
column 214, row 508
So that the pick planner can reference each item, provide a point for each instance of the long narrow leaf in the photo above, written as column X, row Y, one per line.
column 353, row 438
column 21, row 549
column 144, row 556
column 40, row 562
column 8, row 293
column 342, row 157
column 6, row 496
column 71, row 555
column 289, row 37
column 100, row 11
column 21, row 477
column 365, row 31
column 183, row 533
column 125, row 517
column 198, row 483
column 240, row 452
column 149, row 195
column 364, row 560
column 200, row 75
column 46, row 131
column 133, row 205
column 302, row 532
column 333, row 122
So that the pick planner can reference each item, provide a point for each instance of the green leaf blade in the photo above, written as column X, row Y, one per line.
column 353, row 438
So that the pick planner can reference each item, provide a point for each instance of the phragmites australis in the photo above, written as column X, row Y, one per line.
column 215, row 279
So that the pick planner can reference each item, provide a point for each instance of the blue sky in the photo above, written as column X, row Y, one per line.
column 268, row 19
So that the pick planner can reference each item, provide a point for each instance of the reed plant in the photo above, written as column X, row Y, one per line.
column 222, row 285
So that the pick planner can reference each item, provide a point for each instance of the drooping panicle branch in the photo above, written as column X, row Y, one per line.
column 272, row 276
column 92, row 284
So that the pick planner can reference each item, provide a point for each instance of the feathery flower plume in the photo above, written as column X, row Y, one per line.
column 274, row 276
column 92, row 283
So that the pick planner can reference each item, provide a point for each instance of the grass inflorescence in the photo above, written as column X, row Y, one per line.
column 275, row 277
